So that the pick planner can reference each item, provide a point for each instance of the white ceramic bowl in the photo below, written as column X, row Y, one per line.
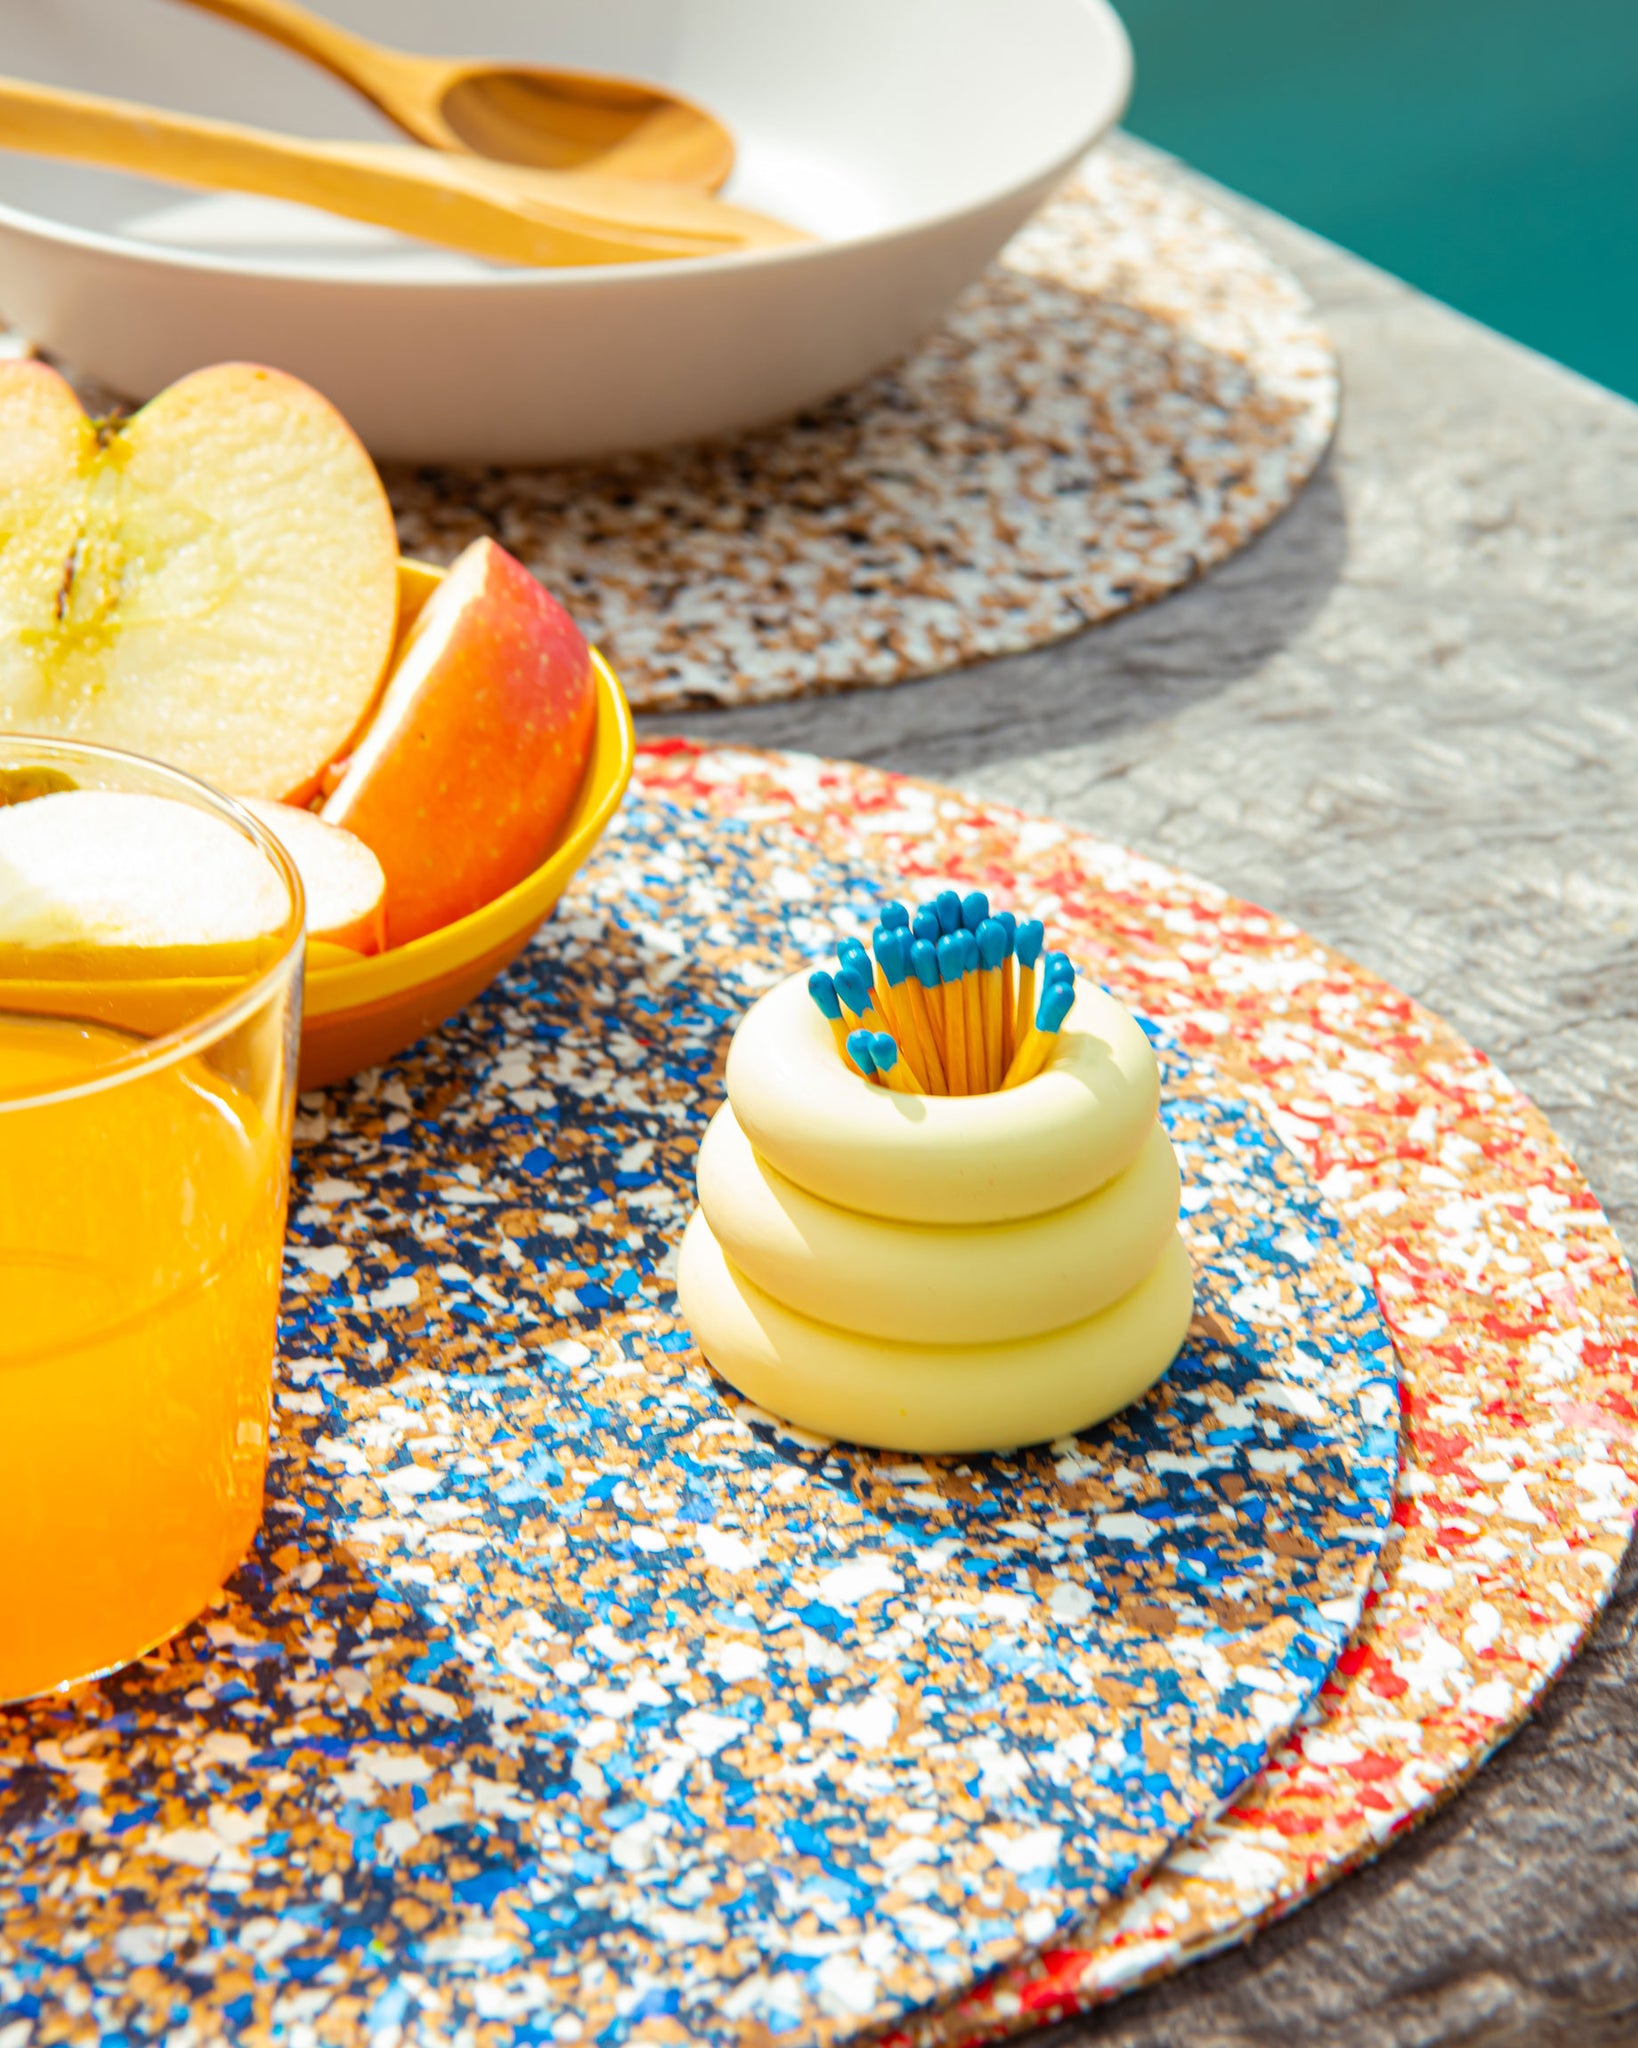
column 914, row 136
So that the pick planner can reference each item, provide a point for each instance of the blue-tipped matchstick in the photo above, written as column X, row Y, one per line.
column 1009, row 993
column 928, row 1003
column 972, row 1004
column 951, row 961
column 886, row 1051
column 1041, row 1041
column 823, row 991
column 857, row 962
column 1031, row 938
column 860, row 1051
column 992, row 952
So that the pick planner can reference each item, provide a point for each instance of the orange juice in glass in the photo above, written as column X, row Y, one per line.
column 145, row 1107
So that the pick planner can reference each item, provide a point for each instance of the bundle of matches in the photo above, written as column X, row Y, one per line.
column 957, row 1000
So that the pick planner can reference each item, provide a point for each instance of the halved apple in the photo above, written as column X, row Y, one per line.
column 345, row 887
column 462, row 782
column 107, row 884
column 212, row 582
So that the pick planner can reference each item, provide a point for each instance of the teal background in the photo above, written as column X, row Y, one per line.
column 1485, row 150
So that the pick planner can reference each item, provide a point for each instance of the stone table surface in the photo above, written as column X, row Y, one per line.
column 1407, row 717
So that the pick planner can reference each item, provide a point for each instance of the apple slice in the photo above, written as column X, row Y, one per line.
column 462, row 782
column 212, row 582
column 108, row 885
column 346, row 890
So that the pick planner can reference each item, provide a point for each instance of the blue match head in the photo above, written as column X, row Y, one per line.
column 1059, row 967
column 1009, row 923
column 969, row 952
column 894, row 917
column 823, row 991
column 884, row 1050
column 975, row 907
column 855, row 959
column 926, row 926
column 855, row 997
column 948, row 905
column 1027, row 945
column 1057, row 1000
column 892, row 949
column 950, row 957
column 859, row 1051
column 924, row 963
column 992, row 942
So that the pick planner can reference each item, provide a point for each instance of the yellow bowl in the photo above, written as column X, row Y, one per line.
column 360, row 1012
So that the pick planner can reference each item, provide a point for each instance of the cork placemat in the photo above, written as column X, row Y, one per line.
column 566, row 1690
column 1130, row 395
column 1513, row 1318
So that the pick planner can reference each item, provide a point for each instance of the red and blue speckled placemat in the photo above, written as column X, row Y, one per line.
column 568, row 1692
column 1512, row 1312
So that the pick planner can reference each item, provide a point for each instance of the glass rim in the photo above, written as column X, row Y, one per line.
column 170, row 1047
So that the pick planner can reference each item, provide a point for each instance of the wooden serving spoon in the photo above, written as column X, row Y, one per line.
column 507, row 212
column 518, row 113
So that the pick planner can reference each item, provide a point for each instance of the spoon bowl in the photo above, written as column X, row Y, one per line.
column 571, row 121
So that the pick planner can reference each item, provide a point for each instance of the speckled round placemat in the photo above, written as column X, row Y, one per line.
column 1129, row 395
column 568, row 1693
column 1513, row 1318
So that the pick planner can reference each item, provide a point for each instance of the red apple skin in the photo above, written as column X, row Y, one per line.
column 462, row 782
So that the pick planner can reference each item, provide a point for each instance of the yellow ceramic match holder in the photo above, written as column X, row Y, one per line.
column 937, row 1274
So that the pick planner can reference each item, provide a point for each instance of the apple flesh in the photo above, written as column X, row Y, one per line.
column 212, row 582
column 462, row 782
column 342, row 880
column 107, row 884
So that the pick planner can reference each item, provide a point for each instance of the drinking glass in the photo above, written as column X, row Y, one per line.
column 145, row 1130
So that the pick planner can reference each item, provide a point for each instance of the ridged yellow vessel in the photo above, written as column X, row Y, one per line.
column 937, row 1274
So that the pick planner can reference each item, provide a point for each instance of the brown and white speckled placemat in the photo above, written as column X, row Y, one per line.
column 1128, row 397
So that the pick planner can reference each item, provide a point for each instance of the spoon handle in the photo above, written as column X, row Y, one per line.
column 366, row 66
column 531, row 217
